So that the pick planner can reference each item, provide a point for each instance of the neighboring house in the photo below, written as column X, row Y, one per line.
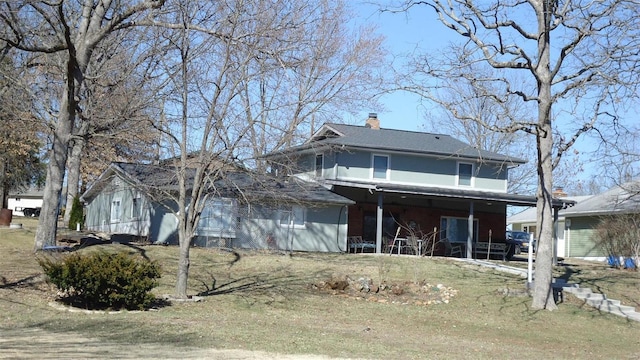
column 22, row 203
column 245, row 211
column 414, row 180
column 576, row 224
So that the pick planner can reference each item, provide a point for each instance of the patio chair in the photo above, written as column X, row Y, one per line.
column 410, row 245
column 452, row 249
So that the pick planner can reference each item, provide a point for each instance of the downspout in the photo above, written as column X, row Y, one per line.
column 554, row 248
column 470, row 232
column 379, row 225
column 344, row 207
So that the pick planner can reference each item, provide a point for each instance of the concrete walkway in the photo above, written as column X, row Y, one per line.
column 596, row 300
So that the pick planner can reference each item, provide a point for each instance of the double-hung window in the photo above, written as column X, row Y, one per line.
column 380, row 167
column 218, row 218
column 116, row 209
column 294, row 217
column 465, row 174
column 136, row 207
column 319, row 165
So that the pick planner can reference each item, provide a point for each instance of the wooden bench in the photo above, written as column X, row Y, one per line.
column 488, row 249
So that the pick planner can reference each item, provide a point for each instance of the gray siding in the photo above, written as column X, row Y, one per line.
column 325, row 230
column 99, row 211
column 407, row 169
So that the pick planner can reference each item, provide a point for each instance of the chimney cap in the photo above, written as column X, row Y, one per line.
column 373, row 122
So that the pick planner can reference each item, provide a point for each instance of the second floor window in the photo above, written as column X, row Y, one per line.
column 319, row 165
column 380, row 167
column 465, row 174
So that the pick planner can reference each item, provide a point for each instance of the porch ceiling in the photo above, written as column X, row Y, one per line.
column 457, row 194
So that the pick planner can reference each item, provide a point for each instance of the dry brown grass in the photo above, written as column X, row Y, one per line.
column 264, row 302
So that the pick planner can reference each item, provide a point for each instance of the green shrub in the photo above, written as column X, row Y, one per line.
column 77, row 215
column 103, row 280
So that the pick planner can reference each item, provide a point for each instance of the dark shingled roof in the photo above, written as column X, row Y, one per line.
column 352, row 136
column 237, row 183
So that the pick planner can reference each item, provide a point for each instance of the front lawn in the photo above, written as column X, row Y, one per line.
column 282, row 303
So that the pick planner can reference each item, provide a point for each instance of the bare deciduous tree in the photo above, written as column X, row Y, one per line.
column 245, row 78
column 20, row 133
column 116, row 110
column 577, row 59
column 70, row 31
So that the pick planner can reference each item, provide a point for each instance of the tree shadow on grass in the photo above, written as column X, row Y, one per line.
column 262, row 287
column 29, row 281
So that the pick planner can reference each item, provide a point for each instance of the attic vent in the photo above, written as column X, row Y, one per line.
column 373, row 122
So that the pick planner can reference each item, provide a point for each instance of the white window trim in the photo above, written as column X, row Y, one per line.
column 388, row 172
column 291, row 223
column 473, row 177
column 111, row 215
column 137, row 197
column 225, row 204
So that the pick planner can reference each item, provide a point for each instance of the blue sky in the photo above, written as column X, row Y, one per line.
column 404, row 32
column 420, row 29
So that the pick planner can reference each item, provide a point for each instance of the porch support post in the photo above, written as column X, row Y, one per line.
column 379, row 225
column 470, row 232
column 554, row 248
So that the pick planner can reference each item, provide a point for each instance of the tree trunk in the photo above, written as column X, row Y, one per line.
column 48, row 221
column 183, row 266
column 73, row 176
column 3, row 186
column 543, row 292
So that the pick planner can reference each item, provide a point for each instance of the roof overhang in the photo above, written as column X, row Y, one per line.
column 457, row 194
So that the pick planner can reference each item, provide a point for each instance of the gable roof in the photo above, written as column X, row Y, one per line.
column 621, row 199
column 529, row 215
column 422, row 143
column 238, row 183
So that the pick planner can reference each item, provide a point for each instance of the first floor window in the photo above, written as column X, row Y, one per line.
column 219, row 216
column 136, row 207
column 295, row 217
column 457, row 229
column 115, row 209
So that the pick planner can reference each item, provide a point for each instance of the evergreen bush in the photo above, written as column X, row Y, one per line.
column 102, row 280
column 77, row 214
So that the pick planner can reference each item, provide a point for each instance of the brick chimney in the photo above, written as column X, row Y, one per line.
column 558, row 192
column 373, row 122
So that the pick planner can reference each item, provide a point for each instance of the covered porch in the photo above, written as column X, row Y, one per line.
column 398, row 219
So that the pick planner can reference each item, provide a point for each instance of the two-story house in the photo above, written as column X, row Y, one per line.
column 412, row 180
